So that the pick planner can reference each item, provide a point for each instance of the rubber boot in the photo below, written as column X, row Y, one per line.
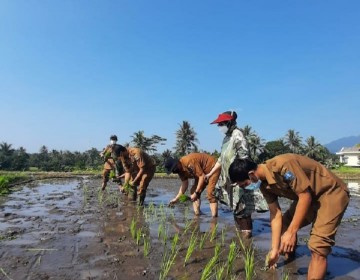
column 244, row 225
column 214, row 209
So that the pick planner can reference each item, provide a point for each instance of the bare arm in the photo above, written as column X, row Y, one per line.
column 216, row 167
column 288, row 239
column 276, row 225
column 182, row 190
column 199, row 187
column 138, row 176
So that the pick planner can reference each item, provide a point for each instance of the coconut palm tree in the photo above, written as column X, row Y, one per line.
column 254, row 144
column 293, row 140
column 6, row 153
column 140, row 141
column 147, row 144
column 312, row 148
column 186, row 140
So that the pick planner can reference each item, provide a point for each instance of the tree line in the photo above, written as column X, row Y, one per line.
column 186, row 142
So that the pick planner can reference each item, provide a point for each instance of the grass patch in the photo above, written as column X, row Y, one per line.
column 8, row 179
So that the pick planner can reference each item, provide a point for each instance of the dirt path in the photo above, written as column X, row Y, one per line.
column 67, row 229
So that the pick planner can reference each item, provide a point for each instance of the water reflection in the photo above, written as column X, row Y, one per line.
column 354, row 187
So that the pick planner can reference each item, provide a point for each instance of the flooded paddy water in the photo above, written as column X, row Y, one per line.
column 68, row 229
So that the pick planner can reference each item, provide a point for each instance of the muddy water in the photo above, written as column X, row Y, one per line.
column 67, row 229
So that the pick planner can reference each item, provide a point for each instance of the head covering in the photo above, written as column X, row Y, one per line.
column 225, row 117
column 170, row 164
column 113, row 137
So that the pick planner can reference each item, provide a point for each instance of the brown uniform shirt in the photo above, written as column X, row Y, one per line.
column 137, row 159
column 287, row 176
column 290, row 174
column 196, row 165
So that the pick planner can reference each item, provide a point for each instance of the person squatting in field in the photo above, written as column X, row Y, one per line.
column 243, row 202
column 112, row 166
column 319, row 197
column 195, row 166
column 139, row 169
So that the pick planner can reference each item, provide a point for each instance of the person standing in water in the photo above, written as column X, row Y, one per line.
column 243, row 202
column 110, row 154
column 195, row 166
column 319, row 198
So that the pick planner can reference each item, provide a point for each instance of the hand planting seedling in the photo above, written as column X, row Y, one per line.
column 184, row 198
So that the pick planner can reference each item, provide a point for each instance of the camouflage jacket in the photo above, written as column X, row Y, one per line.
column 242, row 202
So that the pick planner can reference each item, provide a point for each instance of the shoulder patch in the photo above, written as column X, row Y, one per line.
column 289, row 176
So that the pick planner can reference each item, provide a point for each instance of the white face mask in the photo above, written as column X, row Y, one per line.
column 223, row 129
column 112, row 142
column 254, row 186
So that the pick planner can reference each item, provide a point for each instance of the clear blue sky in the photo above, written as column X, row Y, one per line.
column 74, row 72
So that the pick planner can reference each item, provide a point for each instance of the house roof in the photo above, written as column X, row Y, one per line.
column 355, row 149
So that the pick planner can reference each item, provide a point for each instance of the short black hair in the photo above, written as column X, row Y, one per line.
column 113, row 137
column 239, row 169
column 118, row 149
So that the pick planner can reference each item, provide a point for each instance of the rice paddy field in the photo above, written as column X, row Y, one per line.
column 69, row 229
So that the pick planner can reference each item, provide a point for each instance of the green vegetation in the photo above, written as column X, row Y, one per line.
column 231, row 257
column 211, row 265
column 249, row 258
column 6, row 180
column 191, row 247
column 184, row 198
column 346, row 169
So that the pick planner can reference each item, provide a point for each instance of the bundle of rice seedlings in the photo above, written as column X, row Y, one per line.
column 184, row 198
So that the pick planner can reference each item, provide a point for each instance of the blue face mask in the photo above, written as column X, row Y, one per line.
column 254, row 186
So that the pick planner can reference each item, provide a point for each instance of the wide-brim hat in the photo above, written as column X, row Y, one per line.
column 223, row 117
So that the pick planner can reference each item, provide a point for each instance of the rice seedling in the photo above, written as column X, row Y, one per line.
column 285, row 275
column 138, row 236
column 223, row 236
column 133, row 228
column 127, row 188
column 231, row 257
column 249, row 258
column 174, row 242
column 191, row 247
column 101, row 197
column 167, row 262
column 188, row 224
column 210, row 266
column 5, row 274
column 161, row 229
column 146, row 245
column 219, row 272
column 86, row 194
column 202, row 240
column 184, row 198
column 38, row 261
column 213, row 233
column 172, row 214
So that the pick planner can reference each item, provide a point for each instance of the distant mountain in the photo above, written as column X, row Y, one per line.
column 336, row 145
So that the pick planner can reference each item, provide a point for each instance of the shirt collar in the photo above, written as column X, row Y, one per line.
column 270, row 178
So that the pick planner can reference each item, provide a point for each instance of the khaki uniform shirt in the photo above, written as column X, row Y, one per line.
column 290, row 174
column 196, row 165
column 137, row 159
